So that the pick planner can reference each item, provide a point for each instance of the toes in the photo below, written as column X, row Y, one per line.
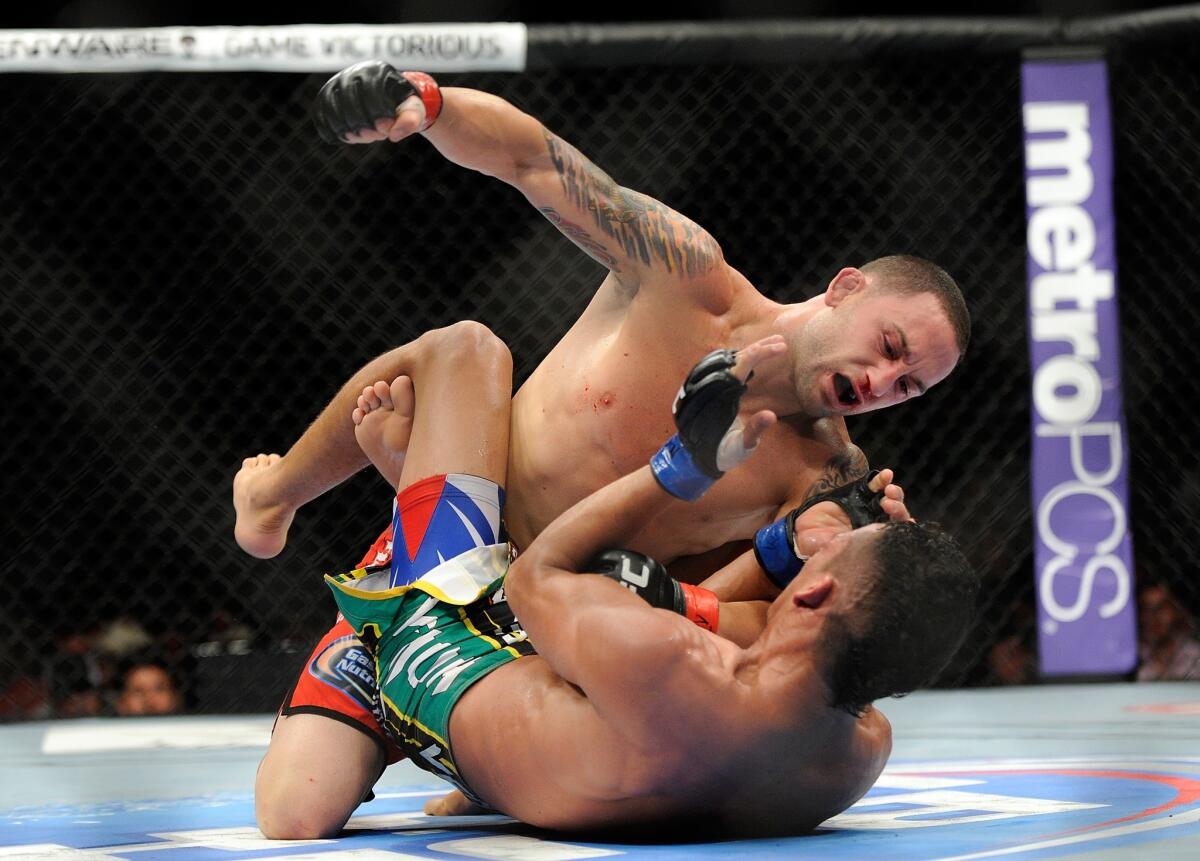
column 403, row 397
column 384, row 392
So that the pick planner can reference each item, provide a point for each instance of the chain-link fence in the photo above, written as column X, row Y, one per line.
column 188, row 274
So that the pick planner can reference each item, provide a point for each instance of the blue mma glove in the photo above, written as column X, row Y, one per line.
column 775, row 545
column 710, row 435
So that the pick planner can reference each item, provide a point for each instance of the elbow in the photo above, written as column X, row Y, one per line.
column 519, row 581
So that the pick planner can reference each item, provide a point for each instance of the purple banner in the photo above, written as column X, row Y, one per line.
column 1083, row 553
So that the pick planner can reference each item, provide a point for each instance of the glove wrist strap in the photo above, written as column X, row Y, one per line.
column 677, row 473
column 430, row 93
column 700, row 606
column 774, row 551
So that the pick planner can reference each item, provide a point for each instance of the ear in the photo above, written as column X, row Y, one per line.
column 813, row 595
column 845, row 283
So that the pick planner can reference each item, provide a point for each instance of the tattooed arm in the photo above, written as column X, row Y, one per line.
column 634, row 236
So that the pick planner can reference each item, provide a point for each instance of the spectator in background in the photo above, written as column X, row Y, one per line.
column 1168, row 645
column 148, row 687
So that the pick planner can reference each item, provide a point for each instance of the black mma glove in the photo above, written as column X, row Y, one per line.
column 649, row 580
column 359, row 95
column 710, row 435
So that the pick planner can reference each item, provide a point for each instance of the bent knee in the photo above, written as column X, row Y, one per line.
column 278, row 821
column 468, row 341
column 287, row 810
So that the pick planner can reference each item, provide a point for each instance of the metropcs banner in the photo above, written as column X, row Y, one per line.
column 1083, row 553
column 289, row 48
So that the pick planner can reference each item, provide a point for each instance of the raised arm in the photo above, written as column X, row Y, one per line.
column 637, row 238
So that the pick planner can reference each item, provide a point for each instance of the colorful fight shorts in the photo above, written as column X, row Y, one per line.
column 431, row 640
column 338, row 682
column 432, row 516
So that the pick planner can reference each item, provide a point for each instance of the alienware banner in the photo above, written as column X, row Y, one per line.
column 1083, row 552
column 285, row 48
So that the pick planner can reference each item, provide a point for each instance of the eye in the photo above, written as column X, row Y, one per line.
column 888, row 349
column 903, row 383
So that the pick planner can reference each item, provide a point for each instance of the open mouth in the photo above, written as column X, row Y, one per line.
column 844, row 389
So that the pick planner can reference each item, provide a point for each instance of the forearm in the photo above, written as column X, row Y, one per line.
column 483, row 132
column 743, row 621
column 741, row 580
column 607, row 518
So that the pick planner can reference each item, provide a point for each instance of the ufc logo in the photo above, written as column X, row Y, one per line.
column 634, row 580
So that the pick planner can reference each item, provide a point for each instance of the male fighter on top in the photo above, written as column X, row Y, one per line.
column 594, row 408
column 629, row 714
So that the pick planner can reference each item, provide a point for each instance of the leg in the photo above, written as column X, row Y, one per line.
column 315, row 773
column 461, row 422
column 269, row 489
column 327, row 748
column 450, row 484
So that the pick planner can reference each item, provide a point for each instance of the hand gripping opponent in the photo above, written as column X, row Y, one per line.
column 710, row 438
column 775, row 545
column 649, row 580
column 356, row 97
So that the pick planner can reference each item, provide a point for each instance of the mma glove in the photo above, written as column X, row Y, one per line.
column 357, row 97
column 710, row 438
column 648, row 579
column 775, row 545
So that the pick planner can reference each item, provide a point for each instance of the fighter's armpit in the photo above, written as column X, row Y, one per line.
column 623, row 224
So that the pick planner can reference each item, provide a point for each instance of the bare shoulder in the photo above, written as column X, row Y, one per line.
column 823, row 449
column 830, row 766
column 714, row 289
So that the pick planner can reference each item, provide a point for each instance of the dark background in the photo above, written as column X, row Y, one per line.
column 187, row 274
column 148, row 13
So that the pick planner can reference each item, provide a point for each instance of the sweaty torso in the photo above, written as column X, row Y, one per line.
column 533, row 746
column 599, row 406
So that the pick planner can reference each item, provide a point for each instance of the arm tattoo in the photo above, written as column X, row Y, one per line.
column 581, row 238
column 645, row 229
column 843, row 468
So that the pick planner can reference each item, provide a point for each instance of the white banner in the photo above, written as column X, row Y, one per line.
column 285, row 48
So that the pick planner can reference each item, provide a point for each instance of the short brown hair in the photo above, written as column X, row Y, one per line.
column 909, row 275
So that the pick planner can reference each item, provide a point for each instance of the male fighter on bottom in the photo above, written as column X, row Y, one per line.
column 630, row 714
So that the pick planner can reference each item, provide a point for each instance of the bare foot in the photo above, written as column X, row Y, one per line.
column 383, row 425
column 261, row 527
column 453, row 803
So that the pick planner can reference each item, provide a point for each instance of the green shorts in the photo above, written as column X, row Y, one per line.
column 431, row 640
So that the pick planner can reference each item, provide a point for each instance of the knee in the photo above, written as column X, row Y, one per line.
column 284, row 810
column 469, row 343
column 279, row 821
